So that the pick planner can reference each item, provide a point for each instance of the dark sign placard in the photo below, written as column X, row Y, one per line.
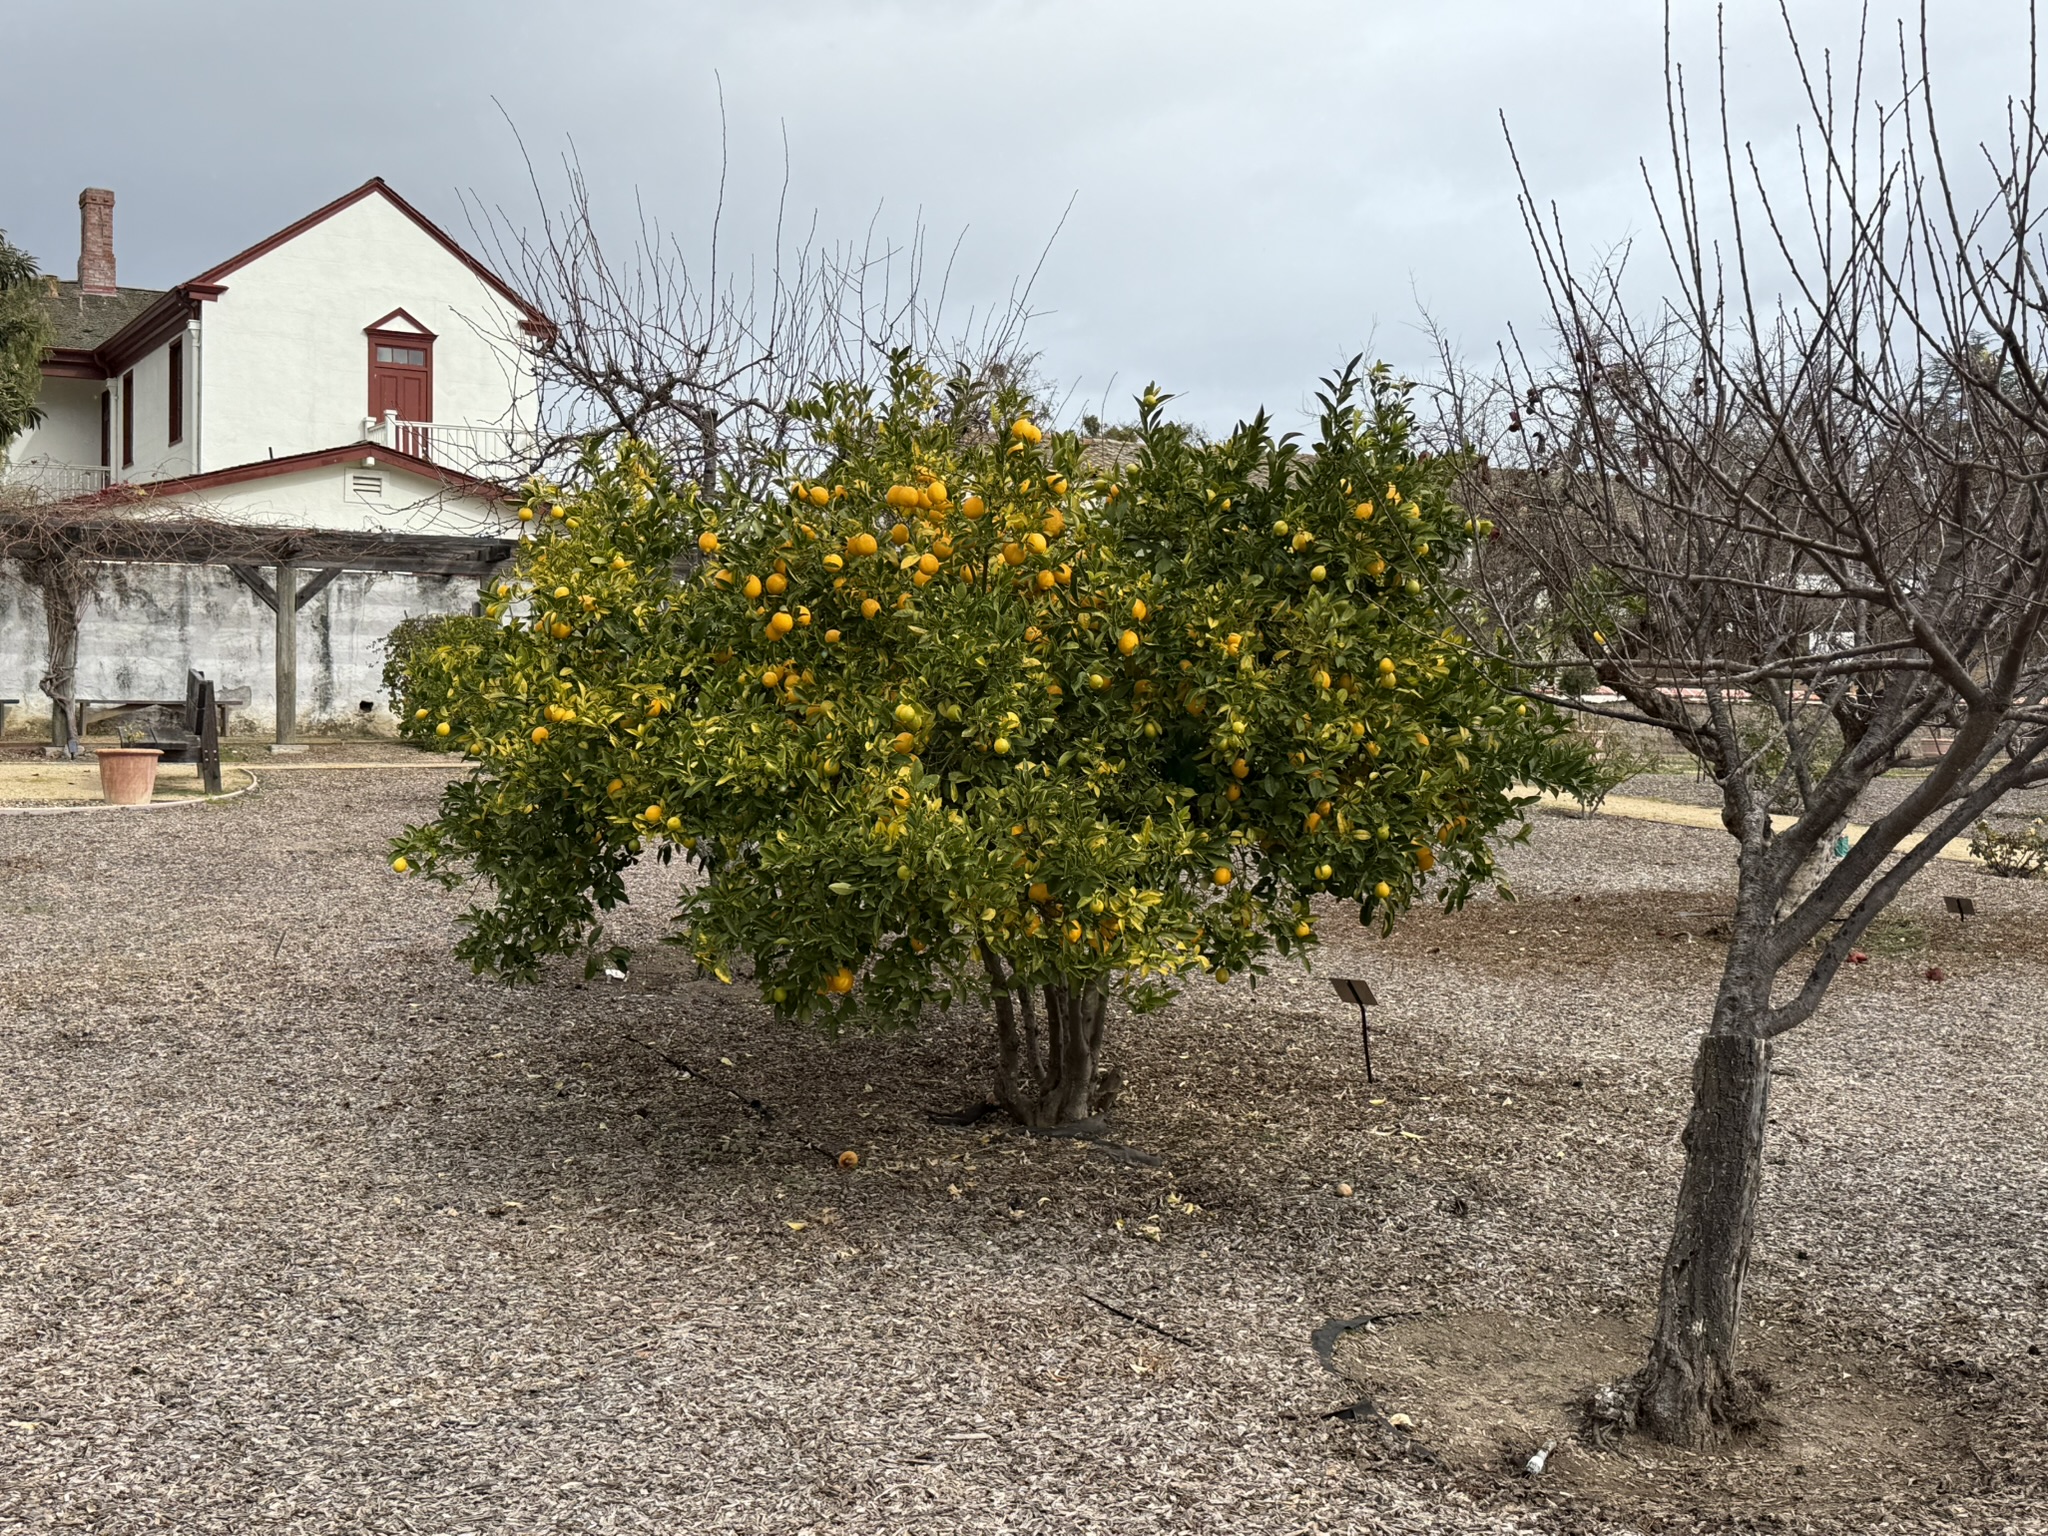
column 1961, row 906
column 1357, row 993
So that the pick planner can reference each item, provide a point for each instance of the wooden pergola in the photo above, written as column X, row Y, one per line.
column 284, row 567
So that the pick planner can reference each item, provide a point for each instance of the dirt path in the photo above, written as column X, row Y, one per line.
column 305, row 1229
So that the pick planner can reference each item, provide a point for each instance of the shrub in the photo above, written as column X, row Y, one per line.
column 957, row 716
column 2018, row 855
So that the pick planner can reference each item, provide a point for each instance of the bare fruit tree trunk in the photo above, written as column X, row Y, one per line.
column 64, row 583
column 1690, row 1391
column 1049, row 1073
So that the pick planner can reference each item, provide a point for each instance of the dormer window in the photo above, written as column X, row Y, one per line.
column 401, row 368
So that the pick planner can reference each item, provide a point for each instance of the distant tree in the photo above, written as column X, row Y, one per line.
column 1797, row 535
column 951, row 716
column 25, row 335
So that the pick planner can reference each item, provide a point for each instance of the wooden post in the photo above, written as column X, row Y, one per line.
column 287, row 588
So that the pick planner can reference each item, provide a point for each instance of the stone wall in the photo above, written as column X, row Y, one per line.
column 149, row 623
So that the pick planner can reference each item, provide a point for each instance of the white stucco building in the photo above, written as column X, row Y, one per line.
column 354, row 391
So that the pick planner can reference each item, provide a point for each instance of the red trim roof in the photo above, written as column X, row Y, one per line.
column 264, row 469
column 377, row 185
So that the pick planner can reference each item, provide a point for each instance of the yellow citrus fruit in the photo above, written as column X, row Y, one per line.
column 526, row 516
column 1383, row 890
column 1139, row 610
column 1323, row 871
column 615, row 786
column 1222, row 875
column 441, row 729
column 777, row 584
column 1035, row 543
column 1127, row 642
column 869, row 608
column 841, row 982
column 1241, row 769
column 1231, row 792
column 540, row 734
column 400, row 865
column 707, row 541
column 1013, row 554
column 849, row 1160
column 1040, row 891
column 974, row 506
column 1302, row 930
column 862, row 544
column 1001, row 746
column 905, row 743
column 1363, row 511
column 781, row 623
column 1023, row 429
column 652, row 813
column 560, row 631
column 771, row 679
column 1318, row 573
column 1425, row 860
column 419, row 714
column 831, row 637
column 819, row 496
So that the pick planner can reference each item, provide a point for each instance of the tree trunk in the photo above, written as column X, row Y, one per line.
column 1689, row 1392
column 63, row 584
column 1053, row 1076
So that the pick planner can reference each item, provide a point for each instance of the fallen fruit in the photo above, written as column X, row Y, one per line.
column 849, row 1160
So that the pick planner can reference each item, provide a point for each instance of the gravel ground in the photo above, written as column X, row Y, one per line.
column 303, row 1228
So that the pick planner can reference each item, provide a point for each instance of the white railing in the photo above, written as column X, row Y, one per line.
column 489, row 453
column 57, row 481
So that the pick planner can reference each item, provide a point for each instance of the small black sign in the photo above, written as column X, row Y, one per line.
column 1357, row 993
column 1961, row 906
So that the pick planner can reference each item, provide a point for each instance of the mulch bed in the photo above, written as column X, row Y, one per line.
column 304, row 1228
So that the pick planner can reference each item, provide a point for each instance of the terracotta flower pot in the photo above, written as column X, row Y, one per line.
column 127, row 774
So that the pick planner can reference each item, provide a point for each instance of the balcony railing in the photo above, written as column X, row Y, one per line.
column 489, row 453
column 56, row 481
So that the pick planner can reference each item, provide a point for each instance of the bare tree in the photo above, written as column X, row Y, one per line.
column 706, row 364
column 1797, row 522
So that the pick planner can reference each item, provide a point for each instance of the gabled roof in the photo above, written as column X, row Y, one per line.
column 132, row 321
column 129, row 492
column 375, row 187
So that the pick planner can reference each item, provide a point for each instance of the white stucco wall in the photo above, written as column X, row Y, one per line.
column 341, row 496
column 156, row 457
column 285, row 355
column 70, row 434
column 149, row 623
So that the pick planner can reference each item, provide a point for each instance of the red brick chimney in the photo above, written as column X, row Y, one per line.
column 96, row 241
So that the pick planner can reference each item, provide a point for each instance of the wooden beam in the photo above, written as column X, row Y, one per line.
column 256, row 582
column 287, row 653
column 318, row 584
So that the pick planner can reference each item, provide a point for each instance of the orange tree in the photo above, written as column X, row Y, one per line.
column 955, row 714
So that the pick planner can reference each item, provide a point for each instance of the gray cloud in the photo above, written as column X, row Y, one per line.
column 1257, row 190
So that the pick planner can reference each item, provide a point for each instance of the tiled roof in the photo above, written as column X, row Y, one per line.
column 84, row 320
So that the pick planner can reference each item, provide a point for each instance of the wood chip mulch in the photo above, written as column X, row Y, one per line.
column 305, row 1229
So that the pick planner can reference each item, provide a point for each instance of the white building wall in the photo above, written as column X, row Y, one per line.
column 156, row 457
column 69, row 438
column 148, row 624
column 286, row 359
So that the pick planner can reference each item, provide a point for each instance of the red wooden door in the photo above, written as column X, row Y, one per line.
column 402, row 378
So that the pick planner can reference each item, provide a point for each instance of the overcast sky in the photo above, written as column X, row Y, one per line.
column 1258, row 190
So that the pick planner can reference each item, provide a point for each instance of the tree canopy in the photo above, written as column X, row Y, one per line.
column 25, row 333
column 963, row 711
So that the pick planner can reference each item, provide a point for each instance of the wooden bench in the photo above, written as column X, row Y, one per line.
column 202, row 719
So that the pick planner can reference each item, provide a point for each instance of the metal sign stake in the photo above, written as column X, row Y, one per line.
column 1358, row 993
